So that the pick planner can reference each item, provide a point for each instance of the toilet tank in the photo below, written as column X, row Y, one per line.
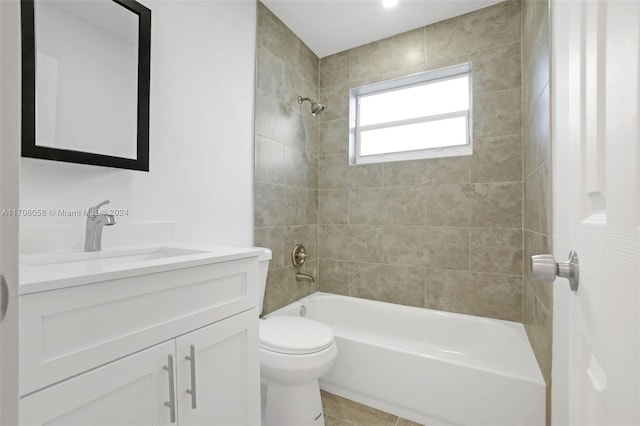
column 263, row 269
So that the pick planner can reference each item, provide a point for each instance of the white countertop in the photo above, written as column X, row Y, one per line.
column 52, row 271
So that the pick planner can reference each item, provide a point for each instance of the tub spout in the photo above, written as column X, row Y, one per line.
column 304, row 277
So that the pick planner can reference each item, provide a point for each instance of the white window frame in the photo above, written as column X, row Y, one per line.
column 401, row 83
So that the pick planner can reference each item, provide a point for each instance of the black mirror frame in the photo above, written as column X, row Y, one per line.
column 29, row 147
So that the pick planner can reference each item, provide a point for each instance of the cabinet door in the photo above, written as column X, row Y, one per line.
column 222, row 362
column 130, row 391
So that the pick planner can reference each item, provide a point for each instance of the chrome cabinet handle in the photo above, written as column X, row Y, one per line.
column 172, row 392
column 545, row 268
column 192, row 359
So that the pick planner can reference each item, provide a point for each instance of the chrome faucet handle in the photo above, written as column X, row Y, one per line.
column 96, row 220
column 298, row 255
column 95, row 210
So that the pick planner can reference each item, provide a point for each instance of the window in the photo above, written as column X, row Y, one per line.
column 424, row 115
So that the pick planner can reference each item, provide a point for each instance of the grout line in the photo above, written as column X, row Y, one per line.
column 285, row 185
column 349, row 278
column 498, row 137
column 384, row 255
column 424, row 43
column 332, row 120
column 535, row 295
column 522, row 206
column 469, row 257
column 496, row 47
column 426, row 281
column 536, row 97
column 426, row 268
column 536, row 233
column 425, row 195
column 492, row 228
column 415, row 186
column 528, row 177
column 497, row 91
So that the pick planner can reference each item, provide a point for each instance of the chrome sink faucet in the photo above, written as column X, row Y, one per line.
column 96, row 220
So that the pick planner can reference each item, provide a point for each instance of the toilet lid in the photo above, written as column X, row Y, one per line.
column 294, row 335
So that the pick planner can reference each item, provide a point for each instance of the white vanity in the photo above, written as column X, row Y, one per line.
column 143, row 336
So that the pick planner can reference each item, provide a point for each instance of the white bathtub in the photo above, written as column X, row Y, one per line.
column 432, row 367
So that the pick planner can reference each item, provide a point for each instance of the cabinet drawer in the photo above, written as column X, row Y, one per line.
column 68, row 331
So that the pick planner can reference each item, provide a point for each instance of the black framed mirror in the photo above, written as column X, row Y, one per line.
column 85, row 82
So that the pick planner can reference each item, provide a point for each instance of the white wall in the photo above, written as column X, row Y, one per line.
column 201, row 142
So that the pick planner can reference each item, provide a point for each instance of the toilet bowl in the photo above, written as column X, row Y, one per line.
column 294, row 353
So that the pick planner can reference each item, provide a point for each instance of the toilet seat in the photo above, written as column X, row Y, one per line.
column 294, row 335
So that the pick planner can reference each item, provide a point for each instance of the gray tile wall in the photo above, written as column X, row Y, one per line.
column 441, row 233
column 453, row 234
column 537, row 295
column 286, row 157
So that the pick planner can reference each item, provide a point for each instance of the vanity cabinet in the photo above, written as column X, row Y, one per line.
column 221, row 359
column 150, row 347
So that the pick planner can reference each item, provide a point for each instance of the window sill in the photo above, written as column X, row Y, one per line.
column 456, row 151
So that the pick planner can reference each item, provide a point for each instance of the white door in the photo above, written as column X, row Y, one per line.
column 225, row 372
column 596, row 174
column 9, row 159
column 128, row 392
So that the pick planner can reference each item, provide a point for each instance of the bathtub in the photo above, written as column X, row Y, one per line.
column 432, row 367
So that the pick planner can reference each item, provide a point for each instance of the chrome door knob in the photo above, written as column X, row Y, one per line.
column 545, row 268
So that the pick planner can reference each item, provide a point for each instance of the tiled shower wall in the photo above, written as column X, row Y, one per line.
column 441, row 233
column 286, row 171
column 538, row 296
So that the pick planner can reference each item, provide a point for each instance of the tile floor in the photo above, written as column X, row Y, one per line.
column 340, row 411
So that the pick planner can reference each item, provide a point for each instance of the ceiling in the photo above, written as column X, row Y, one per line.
column 331, row 26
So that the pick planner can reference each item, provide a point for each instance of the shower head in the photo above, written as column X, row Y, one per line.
column 316, row 108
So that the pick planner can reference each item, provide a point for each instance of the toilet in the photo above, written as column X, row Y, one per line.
column 294, row 353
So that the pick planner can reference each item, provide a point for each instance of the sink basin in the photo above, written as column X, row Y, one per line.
column 106, row 258
column 49, row 271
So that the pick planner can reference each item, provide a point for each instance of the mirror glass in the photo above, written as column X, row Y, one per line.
column 86, row 76
column 91, row 82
